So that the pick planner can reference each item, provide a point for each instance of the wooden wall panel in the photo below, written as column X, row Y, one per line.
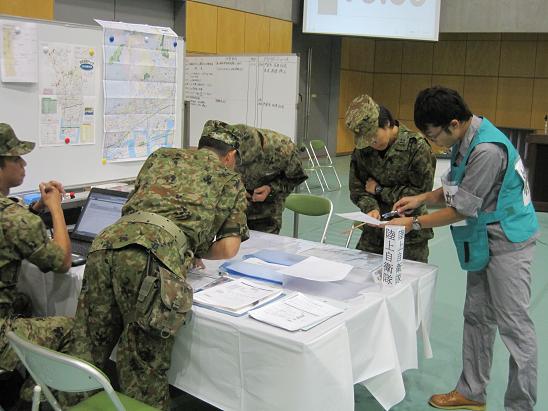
column 417, row 57
column 345, row 139
column 454, row 82
column 37, row 9
column 541, row 66
column 352, row 84
column 411, row 84
column 230, row 31
column 386, row 91
column 482, row 58
column 388, row 56
column 481, row 95
column 357, row 54
column 281, row 34
column 449, row 57
column 517, row 58
column 514, row 102
column 540, row 103
column 201, row 28
column 257, row 34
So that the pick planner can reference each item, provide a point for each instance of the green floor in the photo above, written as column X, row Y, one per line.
column 440, row 373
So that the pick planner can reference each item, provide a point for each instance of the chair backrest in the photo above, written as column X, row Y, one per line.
column 311, row 205
column 319, row 148
column 59, row 371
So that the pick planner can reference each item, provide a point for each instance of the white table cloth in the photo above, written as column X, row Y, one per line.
column 238, row 363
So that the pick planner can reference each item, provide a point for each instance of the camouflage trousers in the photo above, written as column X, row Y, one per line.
column 112, row 279
column 414, row 251
column 267, row 216
column 50, row 332
column 14, row 303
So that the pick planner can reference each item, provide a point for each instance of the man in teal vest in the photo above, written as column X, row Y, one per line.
column 494, row 228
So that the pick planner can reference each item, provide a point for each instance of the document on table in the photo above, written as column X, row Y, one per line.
column 317, row 269
column 236, row 297
column 296, row 312
column 364, row 218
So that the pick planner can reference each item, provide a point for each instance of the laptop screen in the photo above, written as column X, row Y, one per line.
column 102, row 208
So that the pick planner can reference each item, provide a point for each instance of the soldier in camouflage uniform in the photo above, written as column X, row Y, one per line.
column 186, row 204
column 22, row 232
column 389, row 162
column 23, row 236
column 270, row 167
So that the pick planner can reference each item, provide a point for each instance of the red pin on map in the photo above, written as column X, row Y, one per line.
column 67, row 140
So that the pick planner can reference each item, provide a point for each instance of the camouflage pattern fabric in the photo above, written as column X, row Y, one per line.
column 219, row 130
column 362, row 117
column 50, row 332
column 10, row 145
column 22, row 236
column 205, row 200
column 406, row 168
column 268, row 158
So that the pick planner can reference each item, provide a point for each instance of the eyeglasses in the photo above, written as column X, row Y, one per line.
column 435, row 136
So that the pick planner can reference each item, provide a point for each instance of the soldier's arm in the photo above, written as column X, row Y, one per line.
column 365, row 201
column 234, row 229
column 27, row 234
column 292, row 174
column 421, row 170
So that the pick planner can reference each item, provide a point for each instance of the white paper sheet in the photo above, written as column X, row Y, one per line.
column 364, row 218
column 18, row 52
column 236, row 296
column 318, row 269
column 296, row 312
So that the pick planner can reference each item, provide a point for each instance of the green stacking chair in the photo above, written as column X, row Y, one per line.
column 311, row 205
column 309, row 167
column 62, row 372
column 319, row 150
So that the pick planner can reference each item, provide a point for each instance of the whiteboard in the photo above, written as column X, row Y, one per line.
column 260, row 91
column 73, row 165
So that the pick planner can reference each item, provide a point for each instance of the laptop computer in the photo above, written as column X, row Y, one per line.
column 101, row 209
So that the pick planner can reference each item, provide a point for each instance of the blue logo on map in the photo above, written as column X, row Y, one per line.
column 86, row 65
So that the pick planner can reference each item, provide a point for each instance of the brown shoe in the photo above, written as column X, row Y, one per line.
column 454, row 400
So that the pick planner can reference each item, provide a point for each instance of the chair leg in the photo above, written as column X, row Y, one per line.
column 36, row 396
column 325, row 180
column 337, row 177
column 319, row 180
column 349, row 237
column 308, row 188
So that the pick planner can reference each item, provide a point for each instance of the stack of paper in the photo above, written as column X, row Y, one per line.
column 236, row 297
column 296, row 312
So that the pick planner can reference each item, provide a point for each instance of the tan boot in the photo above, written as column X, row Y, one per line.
column 454, row 400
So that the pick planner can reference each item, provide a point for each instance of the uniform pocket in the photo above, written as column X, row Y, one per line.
column 472, row 244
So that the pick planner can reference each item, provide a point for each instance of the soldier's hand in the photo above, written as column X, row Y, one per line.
column 198, row 263
column 50, row 195
column 261, row 193
column 370, row 185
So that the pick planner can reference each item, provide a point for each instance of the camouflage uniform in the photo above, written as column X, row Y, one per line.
column 205, row 200
column 22, row 236
column 405, row 168
column 266, row 158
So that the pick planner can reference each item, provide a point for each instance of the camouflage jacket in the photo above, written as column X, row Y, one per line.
column 192, row 188
column 276, row 163
column 23, row 236
column 407, row 168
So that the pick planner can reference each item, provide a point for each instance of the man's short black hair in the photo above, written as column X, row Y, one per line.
column 437, row 106
column 385, row 118
column 217, row 146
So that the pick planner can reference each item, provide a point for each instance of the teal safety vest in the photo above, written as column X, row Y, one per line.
column 514, row 211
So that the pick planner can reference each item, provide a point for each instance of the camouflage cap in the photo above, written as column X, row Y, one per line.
column 362, row 117
column 10, row 145
column 221, row 131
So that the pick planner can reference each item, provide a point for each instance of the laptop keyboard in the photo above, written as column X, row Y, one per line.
column 80, row 247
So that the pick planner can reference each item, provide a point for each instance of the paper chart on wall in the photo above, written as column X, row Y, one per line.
column 18, row 52
column 67, row 93
column 140, row 74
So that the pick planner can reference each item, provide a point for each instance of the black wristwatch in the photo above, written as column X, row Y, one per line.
column 378, row 190
column 416, row 225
